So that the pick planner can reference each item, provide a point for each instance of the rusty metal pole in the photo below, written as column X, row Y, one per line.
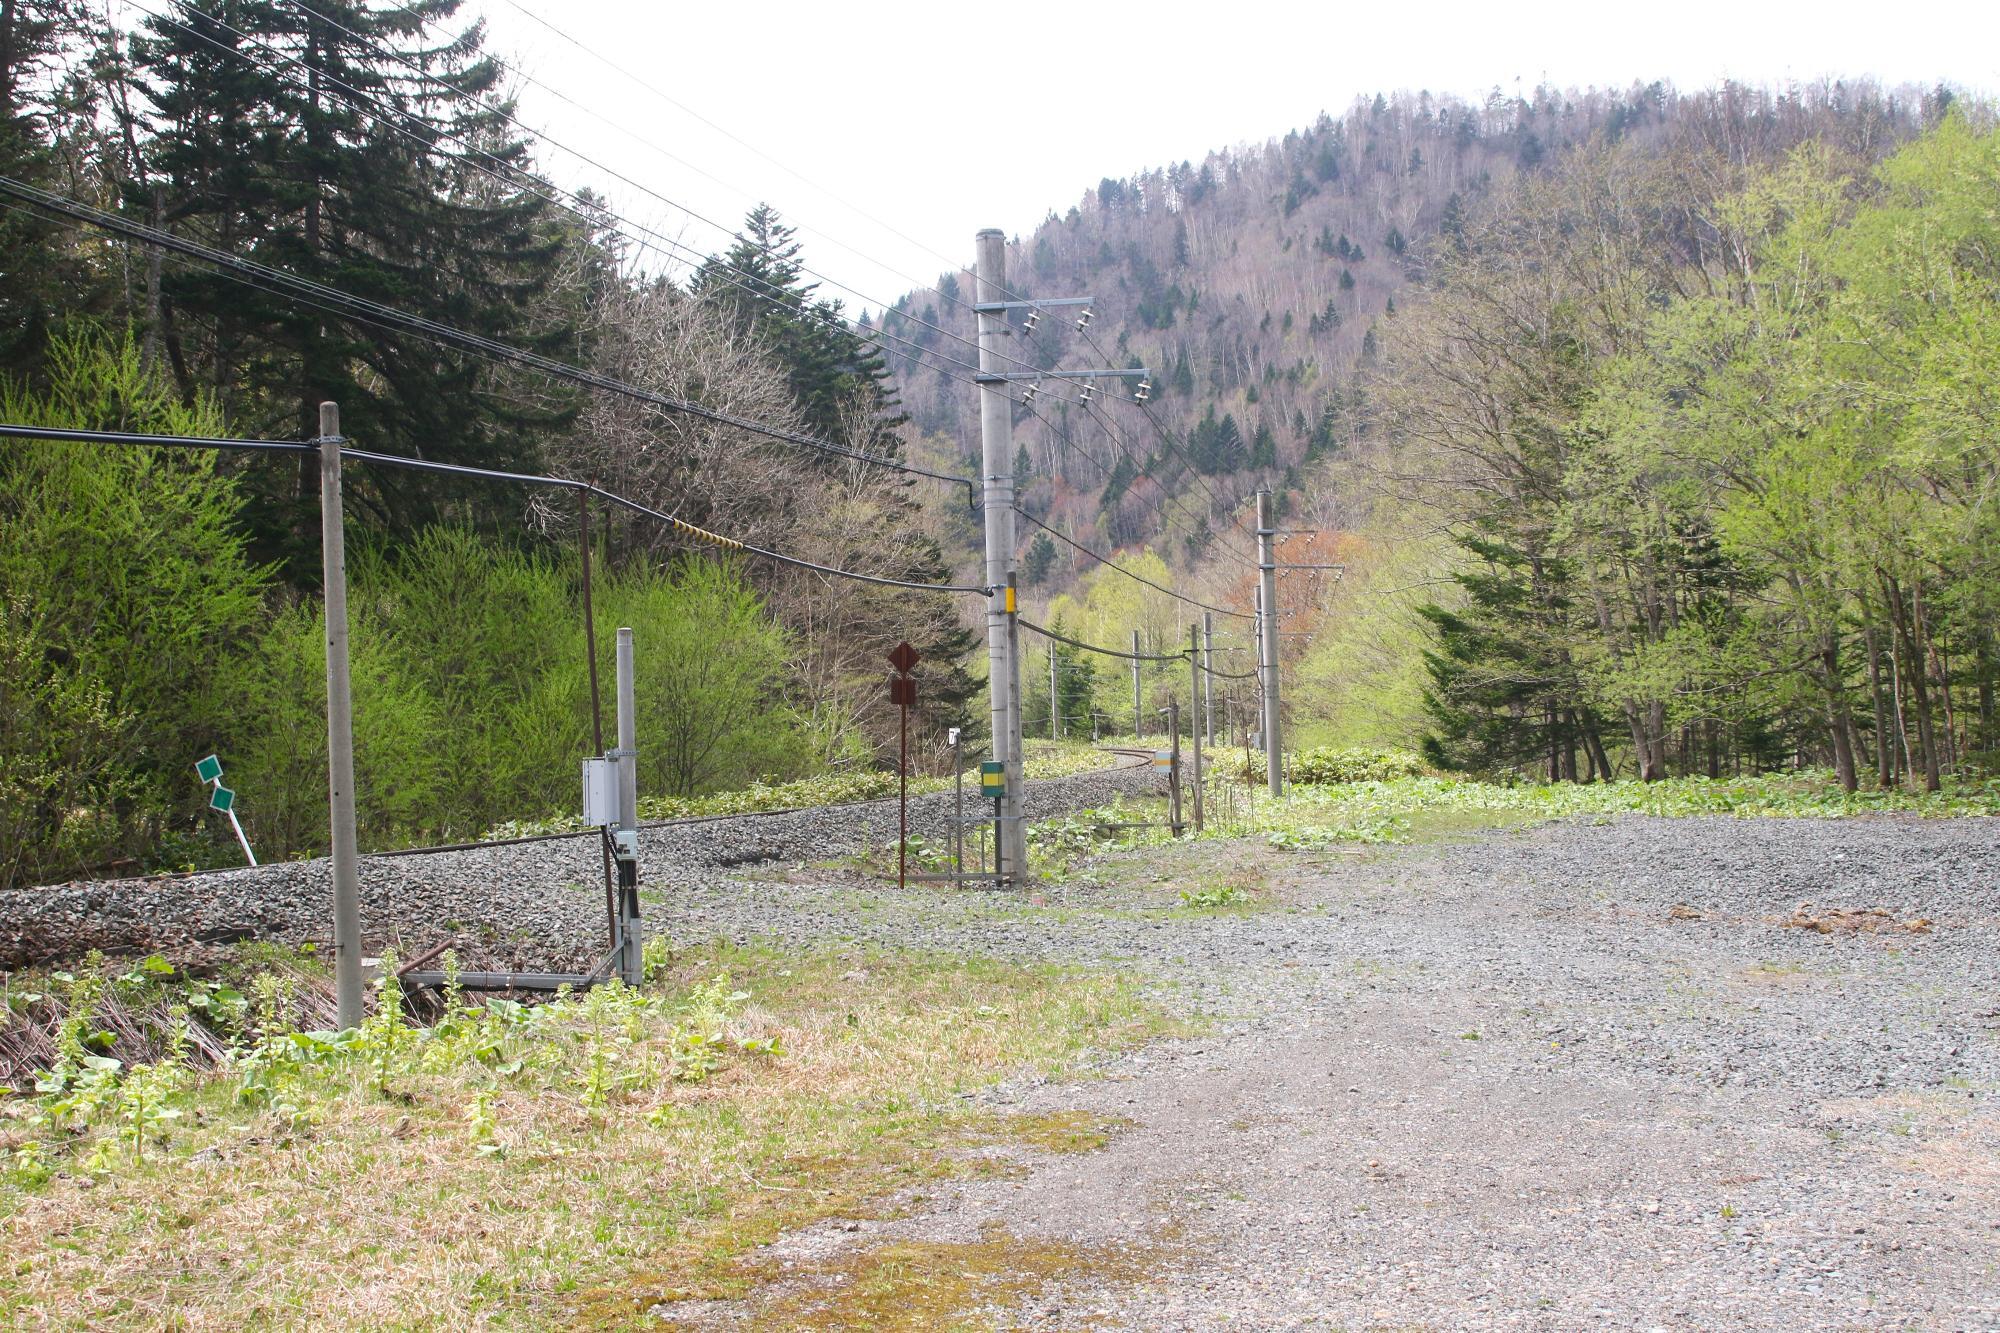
column 903, row 800
column 596, row 706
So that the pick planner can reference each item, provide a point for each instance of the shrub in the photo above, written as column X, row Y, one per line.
column 1355, row 764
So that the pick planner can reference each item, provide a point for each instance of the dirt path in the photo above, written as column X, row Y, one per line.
column 1578, row 1077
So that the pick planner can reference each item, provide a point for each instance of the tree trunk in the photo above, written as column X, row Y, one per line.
column 1642, row 751
column 1840, row 726
column 1593, row 742
column 1885, row 750
column 1911, row 655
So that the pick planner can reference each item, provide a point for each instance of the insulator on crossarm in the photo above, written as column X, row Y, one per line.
column 1086, row 394
column 1143, row 392
column 1034, row 318
column 1028, row 394
column 1083, row 320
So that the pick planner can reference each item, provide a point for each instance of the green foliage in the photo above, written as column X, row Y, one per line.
column 1215, row 898
column 128, row 601
column 1353, row 764
column 1313, row 817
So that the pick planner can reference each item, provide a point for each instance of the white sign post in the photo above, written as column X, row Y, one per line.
column 221, row 798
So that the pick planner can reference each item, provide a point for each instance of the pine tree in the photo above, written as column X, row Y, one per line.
column 761, row 282
column 1040, row 560
column 301, row 166
column 41, row 273
column 1227, row 451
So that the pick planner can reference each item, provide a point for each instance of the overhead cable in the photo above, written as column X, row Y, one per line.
column 359, row 307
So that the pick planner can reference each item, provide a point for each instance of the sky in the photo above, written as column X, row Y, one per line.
column 888, row 133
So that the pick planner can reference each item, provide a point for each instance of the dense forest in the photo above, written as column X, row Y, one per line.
column 160, row 605
column 1654, row 429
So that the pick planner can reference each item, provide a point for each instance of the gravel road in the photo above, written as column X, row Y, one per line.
column 1582, row 1076
column 1631, row 1073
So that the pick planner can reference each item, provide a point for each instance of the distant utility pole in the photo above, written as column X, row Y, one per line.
column 996, row 439
column 1194, row 720
column 1267, row 583
column 339, row 728
column 1055, row 697
column 1208, row 676
column 1138, row 697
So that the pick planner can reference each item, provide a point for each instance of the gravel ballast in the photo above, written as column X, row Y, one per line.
column 534, row 904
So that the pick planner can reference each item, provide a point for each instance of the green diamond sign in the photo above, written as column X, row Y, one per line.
column 221, row 799
column 208, row 769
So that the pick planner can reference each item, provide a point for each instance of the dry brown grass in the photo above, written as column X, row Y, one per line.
column 384, row 1212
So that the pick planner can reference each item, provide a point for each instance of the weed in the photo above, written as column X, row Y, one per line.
column 1214, row 899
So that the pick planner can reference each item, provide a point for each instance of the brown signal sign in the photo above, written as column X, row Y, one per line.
column 904, row 658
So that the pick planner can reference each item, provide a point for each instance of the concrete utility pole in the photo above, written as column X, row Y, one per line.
column 996, row 442
column 1194, row 721
column 339, row 728
column 1208, row 676
column 1055, row 699
column 632, row 955
column 1138, row 695
column 1267, row 582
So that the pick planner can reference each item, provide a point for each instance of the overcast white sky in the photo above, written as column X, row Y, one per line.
column 863, row 120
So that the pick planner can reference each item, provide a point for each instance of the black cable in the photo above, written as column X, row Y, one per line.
column 575, row 153
column 1137, row 578
column 391, row 117
column 681, row 526
column 170, row 441
column 1025, row 623
column 387, row 316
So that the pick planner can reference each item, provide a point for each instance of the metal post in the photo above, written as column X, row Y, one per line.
column 903, row 798
column 996, row 441
column 1138, row 702
column 1194, row 729
column 596, row 706
column 632, row 954
column 1174, row 764
column 1055, row 699
column 1014, row 827
column 339, row 728
column 957, row 806
column 1208, row 676
column 1267, row 579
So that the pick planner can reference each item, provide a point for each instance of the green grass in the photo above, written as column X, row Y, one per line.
column 569, row 1164
column 1044, row 759
column 1417, row 808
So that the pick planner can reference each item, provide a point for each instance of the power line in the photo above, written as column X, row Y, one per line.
column 1025, row 623
column 1137, row 578
column 1144, row 470
column 607, row 62
column 350, row 306
column 679, row 525
column 589, row 213
column 581, row 156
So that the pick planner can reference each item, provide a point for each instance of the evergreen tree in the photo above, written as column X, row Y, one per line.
column 1264, row 448
column 41, row 273
column 1024, row 469
column 300, row 166
column 1227, row 450
column 1040, row 560
column 837, row 378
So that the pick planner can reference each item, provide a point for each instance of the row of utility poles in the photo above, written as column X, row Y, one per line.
column 993, row 302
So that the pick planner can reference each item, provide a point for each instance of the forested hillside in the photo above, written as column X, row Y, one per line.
column 1646, row 424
